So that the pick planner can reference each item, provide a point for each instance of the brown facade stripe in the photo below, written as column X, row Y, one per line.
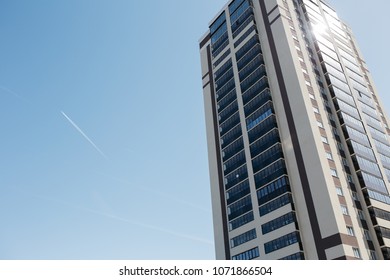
column 349, row 240
column 204, row 41
column 217, row 145
column 342, row 200
column 348, row 220
column 336, row 180
column 320, row 243
column 331, row 164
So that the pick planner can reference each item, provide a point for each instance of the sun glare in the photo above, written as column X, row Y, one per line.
column 320, row 29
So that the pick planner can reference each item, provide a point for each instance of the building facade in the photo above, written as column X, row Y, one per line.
column 298, row 140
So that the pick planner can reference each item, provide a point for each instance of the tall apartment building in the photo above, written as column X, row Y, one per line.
column 298, row 141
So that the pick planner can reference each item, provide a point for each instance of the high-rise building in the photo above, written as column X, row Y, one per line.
column 298, row 140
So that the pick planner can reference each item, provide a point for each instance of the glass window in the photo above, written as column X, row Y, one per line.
column 383, row 232
column 267, row 157
column 379, row 196
column 229, row 124
column 368, row 166
column 238, row 27
column 275, row 204
column 247, row 52
column 246, row 47
column 231, row 136
column 262, row 128
column 385, row 160
column 356, row 135
column 333, row 172
column 248, row 64
column 380, row 213
column 278, row 223
column 350, row 231
column 219, row 36
column 251, row 79
column 223, row 69
column 234, row 148
column 339, row 191
column 339, row 83
column 374, row 183
column 361, row 215
column 378, row 135
column 357, row 77
column 324, row 40
column 218, row 22
column 259, row 115
column 226, row 99
column 373, row 122
column 219, row 60
column 353, row 122
column 356, row 253
column 244, row 219
column 237, row 192
column 382, row 148
column 234, row 5
column 253, row 92
column 239, row 207
column 235, row 14
column 235, row 177
column 281, row 242
column 228, row 111
column 265, row 142
column 296, row 256
column 344, row 209
column 329, row 11
column 243, row 238
column 367, row 235
column 363, row 150
column 245, row 35
column 270, row 173
column 247, row 255
column 226, row 89
column 348, row 57
column 342, row 95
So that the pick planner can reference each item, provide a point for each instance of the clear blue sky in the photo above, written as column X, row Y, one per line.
column 103, row 148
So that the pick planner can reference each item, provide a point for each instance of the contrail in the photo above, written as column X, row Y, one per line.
column 84, row 135
column 120, row 219
column 154, row 228
column 155, row 192
column 11, row 92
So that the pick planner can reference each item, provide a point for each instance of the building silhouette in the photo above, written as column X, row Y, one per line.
column 298, row 140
